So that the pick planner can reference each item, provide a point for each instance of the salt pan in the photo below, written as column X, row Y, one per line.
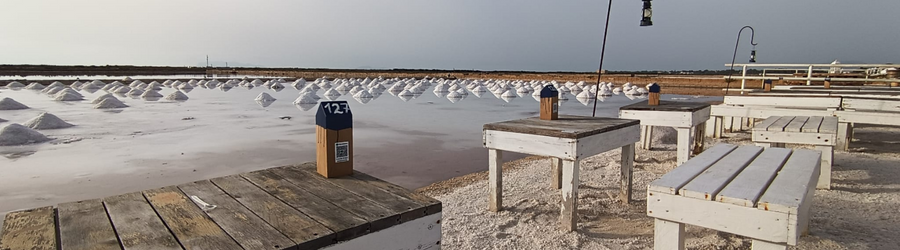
column 16, row 134
column 47, row 121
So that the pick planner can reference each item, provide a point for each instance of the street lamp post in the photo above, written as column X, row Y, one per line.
column 733, row 57
column 646, row 15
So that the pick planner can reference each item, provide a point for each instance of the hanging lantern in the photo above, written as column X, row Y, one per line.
column 647, row 14
column 753, row 55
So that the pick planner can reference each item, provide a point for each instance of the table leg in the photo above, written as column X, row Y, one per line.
column 825, row 174
column 729, row 123
column 684, row 143
column 719, row 123
column 764, row 144
column 765, row 245
column 556, row 168
column 668, row 235
column 569, row 215
column 627, row 170
column 495, row 168
column 710, row 124
column 699, row 138
column 843, row 137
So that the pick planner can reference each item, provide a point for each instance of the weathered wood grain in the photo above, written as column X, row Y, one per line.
column 681, row 175
column 750, row 184
column 667, row 106
column 797, row 124
column 566, row 126
column 85, row 225
column 708, row 184
column 190, row 225
column 812, row 125
column 406, row 208
column 33, row 229
column 240, row 223
column 138, row 226
column 346, row 225
column 432, row 205
column 306, row 232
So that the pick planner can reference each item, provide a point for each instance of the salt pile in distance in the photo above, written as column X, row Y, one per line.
column 265, row 97
column 47, row 121
column 35, row 86
column 68, row 95
column 306, row 98
column 177, row 96
column 135, row 92
column 15, row 85
column 101, row 98
column 151, row 94
column 9, row 104
column 16, row 134
column 56, row 84
column 110, row 102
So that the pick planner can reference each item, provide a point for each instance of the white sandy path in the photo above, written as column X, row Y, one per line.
column 860, row 212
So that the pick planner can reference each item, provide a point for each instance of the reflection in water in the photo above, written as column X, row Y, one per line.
column 585, row 101
column 151, row 98
column 405, row 98
column 16, row 155
column 305, row 106
column 187, row 90
column 363, row 100
column 441, row 94
column 507, row 98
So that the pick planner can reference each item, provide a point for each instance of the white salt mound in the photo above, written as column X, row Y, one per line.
column 177, row 96
column 110, row 103
column 9, row 104
column 56, row 84
column 264, row 97
column 306, row 99
column 135, row 92
column 47, row 121
column 16, row 134
column 35, row 86
column 65, row 96
column 15, row 85
column 52, row 90
column 101, row 98
column 122, row 90
column 150, row 94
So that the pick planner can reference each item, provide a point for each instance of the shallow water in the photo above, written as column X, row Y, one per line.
column 157, row 143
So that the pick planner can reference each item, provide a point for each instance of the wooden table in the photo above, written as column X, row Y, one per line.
column 761, row 193
column 818, row 131
column 569, row 140
column 685, row 117
column 279, row 208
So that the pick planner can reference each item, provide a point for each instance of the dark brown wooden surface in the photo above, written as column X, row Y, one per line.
column 85, row 225
column 567, row 126
column 138, row 226
column 667, row 106
column 240, row 223
column 192, row 228
column 33, row 229
column 308, row 233
column 290, row 207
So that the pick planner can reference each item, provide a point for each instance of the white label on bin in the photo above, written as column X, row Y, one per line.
column 341, row 152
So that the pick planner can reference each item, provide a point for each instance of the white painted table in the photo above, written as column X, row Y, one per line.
column 761, row 193
column 688, row 118
column 569, row 140
column 818, row 131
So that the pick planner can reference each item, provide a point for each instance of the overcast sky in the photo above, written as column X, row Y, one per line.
column 440, row 34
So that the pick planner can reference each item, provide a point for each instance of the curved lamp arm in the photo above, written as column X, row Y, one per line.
column 730, row 72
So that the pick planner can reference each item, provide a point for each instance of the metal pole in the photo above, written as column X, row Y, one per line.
column 808, row 76
column 602, row 52
column 731, row 71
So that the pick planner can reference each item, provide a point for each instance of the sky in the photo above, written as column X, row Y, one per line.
column 528, row 35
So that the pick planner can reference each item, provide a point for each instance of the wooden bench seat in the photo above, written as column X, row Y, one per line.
column 818, row 131
column 761, row 193
column 290, row 207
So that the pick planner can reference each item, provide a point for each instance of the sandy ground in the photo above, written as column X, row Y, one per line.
column 859, row 212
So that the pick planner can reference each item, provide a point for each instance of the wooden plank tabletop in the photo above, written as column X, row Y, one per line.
column 799, row 124
column 568, row 126
column 667, row 106
column 289, row 207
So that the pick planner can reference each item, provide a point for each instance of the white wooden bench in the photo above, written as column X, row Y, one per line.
column 811, row 130
column 761, row 193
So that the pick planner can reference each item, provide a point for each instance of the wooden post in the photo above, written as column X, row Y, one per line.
column 825, row 168
column 549, row 103
column 827, row 82
column 767, row 85
column 668, row 235
column 627, row 169
column 653, row 99
column 334, row 139
column 569, row 212
column 495, row 176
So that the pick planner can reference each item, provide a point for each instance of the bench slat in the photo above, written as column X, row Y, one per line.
column 706, row 185
column 29, row 229
column 294, row 224
column 829, row 125
column 765, row 123
column 797, row 124
column 343, row 223
column 138, row 226
column 780, row 123
column 673, row 181
column 750, row 184
column 790, row 186
column 812, row 125
column 240, row 223
column 85, row 225
column 192, row 228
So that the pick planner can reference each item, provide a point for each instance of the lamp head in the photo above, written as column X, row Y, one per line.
column 753, row 56
column 647, row 14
